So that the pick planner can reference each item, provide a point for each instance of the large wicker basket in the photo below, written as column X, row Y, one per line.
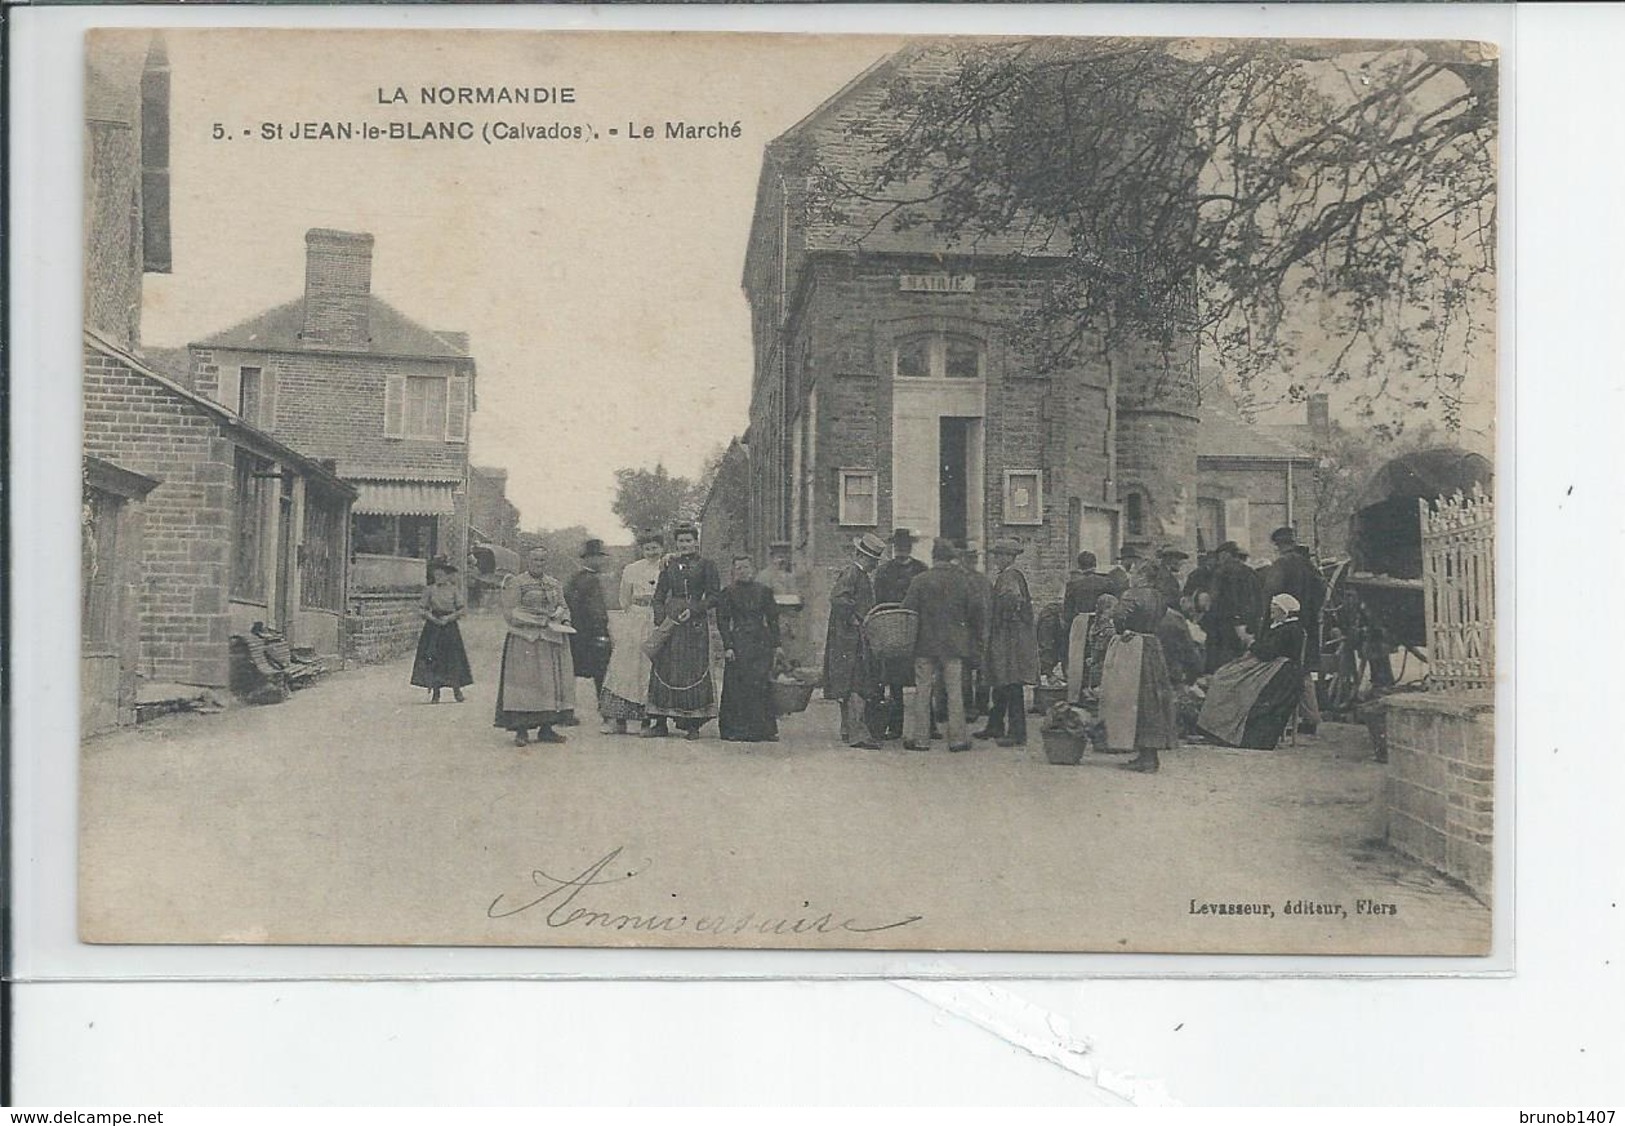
column 1062, row 748
column 791, row 696
column 890, row 631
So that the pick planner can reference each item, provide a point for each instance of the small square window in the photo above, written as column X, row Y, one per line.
column 964, row 360
column 858, row 506
column 914, row 358
column 1023, row 496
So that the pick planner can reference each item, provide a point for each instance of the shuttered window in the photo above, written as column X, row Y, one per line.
column 457, row 410
column 426, row 406
column 394, row 406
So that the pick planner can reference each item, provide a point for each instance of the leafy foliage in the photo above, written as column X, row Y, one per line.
column 1296, row 206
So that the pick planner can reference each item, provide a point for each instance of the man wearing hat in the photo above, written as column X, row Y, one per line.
column 951, row 629
column 1012, row 655
column 1129, row 556
column 1170, row 558
column 1237, row 601
column 847, row 676
column 1292, row 573
column 589, row 613
column 892, row 579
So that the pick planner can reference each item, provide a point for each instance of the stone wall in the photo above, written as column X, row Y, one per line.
column 381, row 625
column 1440, row 787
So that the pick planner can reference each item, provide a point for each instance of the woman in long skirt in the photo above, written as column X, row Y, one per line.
column 680, row 684
column 1137, row 699
column 1250, row 700
column 537, row 686
column 442, row 662
column 626, row 684
column 748, row 620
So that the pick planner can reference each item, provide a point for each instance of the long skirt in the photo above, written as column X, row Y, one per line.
column 1077, row 657
column 680, row 683
column 442, row 662
column 626, row 684
column 1136, row 695
column 1250, row 701
column 747, row 698
column 538, row 684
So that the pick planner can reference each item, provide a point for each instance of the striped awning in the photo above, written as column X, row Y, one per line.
column 404, row 498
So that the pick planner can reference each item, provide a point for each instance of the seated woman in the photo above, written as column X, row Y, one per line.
column 1251, row 699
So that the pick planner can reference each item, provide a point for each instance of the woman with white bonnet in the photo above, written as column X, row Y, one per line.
column 1251, row 699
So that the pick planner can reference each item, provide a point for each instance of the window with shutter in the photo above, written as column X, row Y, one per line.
column 457, row 410
column 395, row 406
column 267, row 417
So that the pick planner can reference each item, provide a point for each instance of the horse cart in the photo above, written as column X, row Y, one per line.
column 1374, row 604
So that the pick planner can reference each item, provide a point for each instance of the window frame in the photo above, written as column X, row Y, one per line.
column 1008, row 513
column 843, row 515
column 937, row 343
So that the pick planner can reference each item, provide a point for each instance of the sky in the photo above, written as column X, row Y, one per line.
column 599, row 281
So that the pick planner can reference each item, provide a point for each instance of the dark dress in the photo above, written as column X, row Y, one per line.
column 589, row 613
column 748, row 620
column 441, row 662
column 1136, row 695
column 846, row 658
column 680, row 679
column 1268, row 717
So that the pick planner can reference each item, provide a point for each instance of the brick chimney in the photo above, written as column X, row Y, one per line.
column 338, row 288
column 1320, row 416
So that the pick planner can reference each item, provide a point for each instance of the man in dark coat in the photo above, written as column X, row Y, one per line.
column 891, row 580
column 1170, row 559
column 1012, row 648
column 847, row 673
column 589, row 614
column 1083, row 589
column 951, row 631
column 1292, row 573
column 1233, row 611
column 978, row 693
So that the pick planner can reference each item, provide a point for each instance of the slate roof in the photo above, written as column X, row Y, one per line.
column 393, row 334
column 1226, row 435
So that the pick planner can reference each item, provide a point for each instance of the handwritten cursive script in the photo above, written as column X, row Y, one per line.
column 560, row 896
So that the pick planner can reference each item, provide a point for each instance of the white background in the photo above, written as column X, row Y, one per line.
column 1551, row 1033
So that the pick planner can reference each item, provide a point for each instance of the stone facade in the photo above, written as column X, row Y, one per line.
column 490, row 512
column 1440, row 787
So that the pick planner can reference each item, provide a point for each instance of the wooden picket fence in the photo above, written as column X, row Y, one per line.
column 1458, row 588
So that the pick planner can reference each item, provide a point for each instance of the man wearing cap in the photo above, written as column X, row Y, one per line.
column 1292, row 573
column 589, row 613
column 951, row 632
column 1170, row 558
column 1237, row 601
column 847, row 676
column 1129, row 556
column 891, row 580
column 1012, row 648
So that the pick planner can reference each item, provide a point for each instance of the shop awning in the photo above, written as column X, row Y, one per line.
column 404, row 498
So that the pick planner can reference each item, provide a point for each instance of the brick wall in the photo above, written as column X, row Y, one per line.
column 137, row 423
column 332, row 406
column 1440, row 787
column 1265, row 488
column 382, row 625
column 1156, row 459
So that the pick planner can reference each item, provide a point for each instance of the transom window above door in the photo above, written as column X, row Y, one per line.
column 938, row 356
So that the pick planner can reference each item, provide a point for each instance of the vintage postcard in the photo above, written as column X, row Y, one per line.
column 786, row 491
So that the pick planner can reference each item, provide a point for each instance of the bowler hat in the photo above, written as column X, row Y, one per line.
column 1229, row 547
column 1284, row 537
column 902, row 537
column 1129, row 553
column 871, row 545
column 942, row 551
column 1006, row 547
column 593, row 549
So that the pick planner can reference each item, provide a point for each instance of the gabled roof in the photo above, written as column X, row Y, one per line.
column 279, row 330
column 228, row 418
column 1226, row 435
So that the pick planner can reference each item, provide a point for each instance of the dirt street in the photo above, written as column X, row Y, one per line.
column 356, row 812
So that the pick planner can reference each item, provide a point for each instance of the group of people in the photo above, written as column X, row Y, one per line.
column 1224, row 654
column 650, row 662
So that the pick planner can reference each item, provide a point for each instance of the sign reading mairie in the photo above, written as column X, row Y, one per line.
column 937, row 283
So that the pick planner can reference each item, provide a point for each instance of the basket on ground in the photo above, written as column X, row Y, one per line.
column 1063, row 748
column 791, row 696
column 890, row 631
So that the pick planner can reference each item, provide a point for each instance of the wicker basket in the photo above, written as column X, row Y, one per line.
column 1062, row 748
column 890, row 631
column 790, row 697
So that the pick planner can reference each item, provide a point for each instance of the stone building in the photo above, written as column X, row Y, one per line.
column 893, row 387
column 493, row 519
column 339, row 374
column 194, row 523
